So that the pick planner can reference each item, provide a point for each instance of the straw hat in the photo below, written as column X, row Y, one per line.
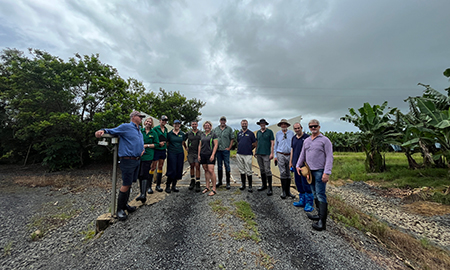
column 305, row 170
column 283, row 121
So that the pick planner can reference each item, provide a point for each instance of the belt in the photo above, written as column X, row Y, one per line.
column 286, row 154
column 133, row 158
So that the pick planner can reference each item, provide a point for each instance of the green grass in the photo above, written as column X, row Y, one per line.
column 7, row 248
column 244, row 212
column 351, row 166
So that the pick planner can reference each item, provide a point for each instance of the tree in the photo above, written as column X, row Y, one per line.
column 376, row 132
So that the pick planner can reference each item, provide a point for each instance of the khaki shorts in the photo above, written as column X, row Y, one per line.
column 192, row 158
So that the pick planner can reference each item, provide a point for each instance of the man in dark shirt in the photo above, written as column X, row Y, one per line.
column 131, row 148
column 306, row 198
column 246, row 143
column 194, row 137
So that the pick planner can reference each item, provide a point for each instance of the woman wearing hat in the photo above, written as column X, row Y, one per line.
column 175, row 155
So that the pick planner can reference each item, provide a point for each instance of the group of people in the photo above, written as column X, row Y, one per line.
column 142, row 151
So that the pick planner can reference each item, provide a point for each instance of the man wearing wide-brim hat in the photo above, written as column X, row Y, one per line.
column 317, row 152
column 282, row 152
column 264, row 154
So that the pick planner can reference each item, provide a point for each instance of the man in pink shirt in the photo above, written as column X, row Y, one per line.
column 317, row 152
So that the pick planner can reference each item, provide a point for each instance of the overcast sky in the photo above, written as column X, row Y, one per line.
column 251, row 59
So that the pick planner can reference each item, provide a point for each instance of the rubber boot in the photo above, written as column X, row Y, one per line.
column 168, row 182
column 121, row 205
column 309, row 201
column 219, row 178
column 283, row 188
column 143, row 186
column 130, row 209
column 228, row 178
column 315, row 217
column 322, row 223
column 192, row 184
column 264, row 182
column 174, row 186
column 269, row 181
column 158, row 182
column 249, row 178
column 301, row 200
column 288, row 188
column 149, row 184
column 243, row 182
column 197, row 186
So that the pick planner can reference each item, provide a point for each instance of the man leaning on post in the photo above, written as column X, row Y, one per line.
column 131, row 148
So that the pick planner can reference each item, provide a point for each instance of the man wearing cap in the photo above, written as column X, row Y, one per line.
column 246, row 143
column 131, row 148
column 226, row 138
column 305, row 196
column 194, row 137
column 264, row 153
column 317, row 152
column 160, row 151
column 282, row 150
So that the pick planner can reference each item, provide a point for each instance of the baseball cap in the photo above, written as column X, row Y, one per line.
column 136, row 113
column 164, row 117
column 223, row 118
column 177, row 122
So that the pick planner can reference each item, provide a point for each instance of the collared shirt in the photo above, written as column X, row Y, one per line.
column 207, row 143
column 162, row 136
column 318, row 153
column 176, row 141
column 283, row 142
column 225, row 136
column 297, row 144
column 245, row 142
column 149, row 138
column 131, row 143
column 264, row 146
column 193, row 141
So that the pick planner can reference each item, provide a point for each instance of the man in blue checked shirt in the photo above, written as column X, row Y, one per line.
column 131, row 148
column 282, row 153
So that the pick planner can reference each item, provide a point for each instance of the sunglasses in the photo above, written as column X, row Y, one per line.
column 285, row 136
column 313, row 126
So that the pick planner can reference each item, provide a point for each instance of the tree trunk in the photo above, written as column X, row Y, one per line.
column 412, row 164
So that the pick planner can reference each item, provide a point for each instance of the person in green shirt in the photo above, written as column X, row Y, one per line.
column 207, row 149
column 225, row 137
column 264, row 154
column 150, row 142
column 175, row 156
column 160, row 151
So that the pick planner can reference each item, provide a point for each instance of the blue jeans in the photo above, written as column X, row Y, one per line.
column 130, row 170
column 301, row 183
column 223, row 157
column 318, row 187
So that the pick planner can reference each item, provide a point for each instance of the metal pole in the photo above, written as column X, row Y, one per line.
column 114, row 181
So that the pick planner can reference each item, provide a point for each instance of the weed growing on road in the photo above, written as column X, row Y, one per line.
column 218, row 207
column 52, row 216
column 244, row 212
column 264, row 259
column 90, row 232
column 7, row 248
column 420, row 252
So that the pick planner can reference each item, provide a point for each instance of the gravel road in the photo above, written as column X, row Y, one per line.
column 179, row 232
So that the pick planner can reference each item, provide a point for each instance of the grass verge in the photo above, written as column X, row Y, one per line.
column 419, row 253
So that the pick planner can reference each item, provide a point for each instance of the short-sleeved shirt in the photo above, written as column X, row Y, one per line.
column 149, row 138
column 264, row 139
column 176, row 141
column 193, row 141
column 245, row 142
column 297, row 144
column 162, row 136
column 225, row 136
column 207, row 143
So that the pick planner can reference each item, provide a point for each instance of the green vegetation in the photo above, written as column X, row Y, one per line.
column 90, row 232
column 420, row 252
column 351, row 166
column 52, row 216
column 7, row 248
column 264, row 259
column 244, row 212
column 50, row 108
column 218, row 207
